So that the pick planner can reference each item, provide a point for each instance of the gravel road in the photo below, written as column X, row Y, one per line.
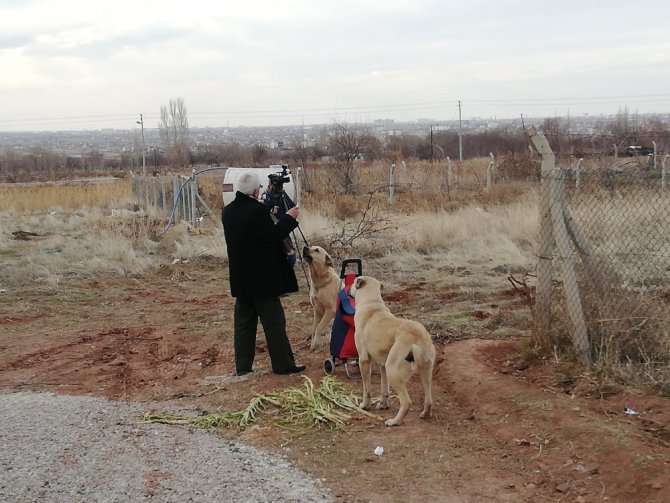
column 83, row 449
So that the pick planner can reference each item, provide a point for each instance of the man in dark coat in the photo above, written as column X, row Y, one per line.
column 259, row 273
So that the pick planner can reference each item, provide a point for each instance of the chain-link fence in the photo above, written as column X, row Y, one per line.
column 604, row 266
column 173, row 196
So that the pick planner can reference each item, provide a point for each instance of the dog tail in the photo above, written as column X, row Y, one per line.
column 417, row 356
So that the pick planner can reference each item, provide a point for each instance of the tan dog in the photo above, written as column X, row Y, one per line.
column 324, row 284
column 400, row 347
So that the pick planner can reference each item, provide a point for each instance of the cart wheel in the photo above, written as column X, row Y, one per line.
column 348, row 364
column 328, row 365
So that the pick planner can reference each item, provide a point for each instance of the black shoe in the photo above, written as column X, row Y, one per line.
column 293, row 370
column 241, row 373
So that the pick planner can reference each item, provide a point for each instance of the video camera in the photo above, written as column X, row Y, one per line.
column 278, row 179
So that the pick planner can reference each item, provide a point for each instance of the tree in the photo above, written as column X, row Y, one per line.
column 347, row 144
column 299, row 149
column 259, row 154
column 173, row 130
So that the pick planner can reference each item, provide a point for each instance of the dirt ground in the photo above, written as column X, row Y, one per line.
column 501, row 430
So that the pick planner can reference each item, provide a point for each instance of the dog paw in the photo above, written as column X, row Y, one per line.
column 382, row 405
column 365, row 405
column 424, row 415
column 317, row 342
column 391, row 422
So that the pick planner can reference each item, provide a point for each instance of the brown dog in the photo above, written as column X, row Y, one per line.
column 400, row 347
column 324, row 284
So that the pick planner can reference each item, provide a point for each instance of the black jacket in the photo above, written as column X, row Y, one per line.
column 257, row 263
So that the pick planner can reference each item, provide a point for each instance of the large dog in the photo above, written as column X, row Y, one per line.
column 324, row 285
column 400, row 347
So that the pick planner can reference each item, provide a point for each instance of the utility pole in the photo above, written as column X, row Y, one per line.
column 144, row 148
column 460, row 134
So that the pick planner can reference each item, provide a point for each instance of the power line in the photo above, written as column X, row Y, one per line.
column 386, row 108
column 632, row 96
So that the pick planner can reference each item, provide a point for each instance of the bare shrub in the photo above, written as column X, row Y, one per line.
column 349, row 234
column 518, row 166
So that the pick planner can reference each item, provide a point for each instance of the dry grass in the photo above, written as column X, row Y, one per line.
column 466, row 239
column 98, row 236
column 29, row 198
column 68, row 243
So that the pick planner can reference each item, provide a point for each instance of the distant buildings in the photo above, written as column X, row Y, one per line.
column 114, row 142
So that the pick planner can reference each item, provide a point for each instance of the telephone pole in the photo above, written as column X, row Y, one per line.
column 460, row 134
column 144, row 148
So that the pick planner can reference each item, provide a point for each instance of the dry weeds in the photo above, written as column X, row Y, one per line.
column 472, row 236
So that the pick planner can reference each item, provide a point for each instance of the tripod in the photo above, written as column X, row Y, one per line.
column 278, row 198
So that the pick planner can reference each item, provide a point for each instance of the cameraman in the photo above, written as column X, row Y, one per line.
column 259, row 273
column 278, row 202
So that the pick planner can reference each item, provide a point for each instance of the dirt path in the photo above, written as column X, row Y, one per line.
column 566, row 445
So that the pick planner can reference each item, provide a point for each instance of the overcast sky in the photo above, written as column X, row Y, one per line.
column 72, row 64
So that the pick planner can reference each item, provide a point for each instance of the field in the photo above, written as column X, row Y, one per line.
column 97, row 299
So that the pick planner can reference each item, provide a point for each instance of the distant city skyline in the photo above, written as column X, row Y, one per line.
column 115, row 141
column 68, row 65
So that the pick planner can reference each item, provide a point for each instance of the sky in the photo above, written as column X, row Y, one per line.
column 72, row 65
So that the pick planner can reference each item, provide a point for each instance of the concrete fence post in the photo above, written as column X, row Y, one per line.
column 578, row 172
column 655, row 154
column 391, row 184
column 489, row 172
column 554, row 232
column 450, row 174
column 298, row 185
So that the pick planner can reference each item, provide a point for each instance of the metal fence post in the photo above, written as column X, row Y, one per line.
column 184, row 213
column 194, row 202
column 175, row 201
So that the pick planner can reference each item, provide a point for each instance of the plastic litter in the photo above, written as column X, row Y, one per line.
column 379, row 450
column 630, row 412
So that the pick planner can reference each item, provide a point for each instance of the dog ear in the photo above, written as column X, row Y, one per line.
column 329, row 261
column 360, row 283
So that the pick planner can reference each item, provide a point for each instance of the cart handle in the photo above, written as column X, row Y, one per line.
column 349, row 261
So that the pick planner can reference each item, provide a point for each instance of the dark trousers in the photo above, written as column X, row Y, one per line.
column 271, row 313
